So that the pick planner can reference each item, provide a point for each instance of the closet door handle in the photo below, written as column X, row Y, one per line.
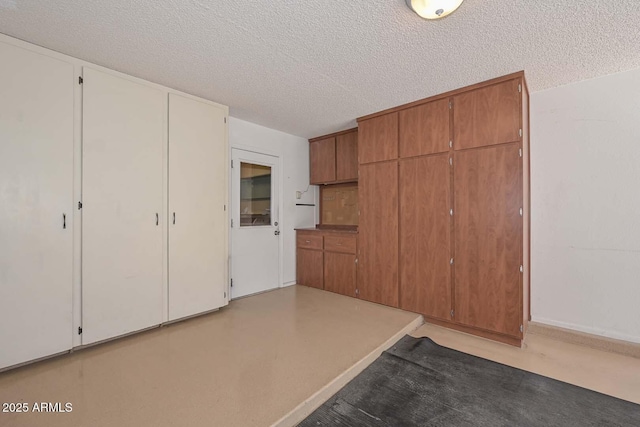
column 64, row 221
column 157, row 219
column 174, row 218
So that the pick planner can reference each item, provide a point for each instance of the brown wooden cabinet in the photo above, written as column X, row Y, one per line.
column 444, row 230
column 323, row 160
column 487, row 116
column 347, row 156
column 378, row 233
column 425, row 249
column 488, row 242
column 309, row 271
column 309, row 259
column 334, row 158
column 378, row 139
column 326, row 259
column 424, row 129
column 340, row 264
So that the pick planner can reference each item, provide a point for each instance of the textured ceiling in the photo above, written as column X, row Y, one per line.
column 312, row 67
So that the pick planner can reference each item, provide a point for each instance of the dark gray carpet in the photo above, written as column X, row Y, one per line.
column 419, row 383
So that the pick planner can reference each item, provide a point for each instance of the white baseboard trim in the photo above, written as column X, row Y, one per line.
column 587, row 330
column 572, row 336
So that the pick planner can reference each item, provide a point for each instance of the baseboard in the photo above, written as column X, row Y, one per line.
column 597, row 342
column 588, row 330
column 305, row 409
column 505, row 339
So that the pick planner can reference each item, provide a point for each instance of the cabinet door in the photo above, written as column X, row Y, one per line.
column 488, row 238
column 424, row 129
column 323, row 161
column 487, row 116
column 124, row 143
column 197, row 215
column 340, row 273
column 378, row 233
column 378, row 139
column 309, row 271
column 347, row 157
column 425, row 235
column 36, row 199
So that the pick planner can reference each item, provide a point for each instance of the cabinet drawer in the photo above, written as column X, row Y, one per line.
column 345, row 244
column 309, row 240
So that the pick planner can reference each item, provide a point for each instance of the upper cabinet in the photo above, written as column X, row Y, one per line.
column 334, row 158
column 347, row 156
column 488, row 116
column 424, row 129
column 378, row 138
column 322, row 154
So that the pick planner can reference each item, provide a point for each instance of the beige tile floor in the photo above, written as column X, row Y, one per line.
column 266, row 359
column 250, row 364
column 609, row 373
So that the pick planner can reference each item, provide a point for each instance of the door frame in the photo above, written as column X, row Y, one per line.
column 278, row 156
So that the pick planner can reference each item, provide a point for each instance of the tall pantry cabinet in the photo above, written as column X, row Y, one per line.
column 127, row 232
column 198, row 238
column 444, row 208
column 123, row 134
column 36, row 205
column 113, row 204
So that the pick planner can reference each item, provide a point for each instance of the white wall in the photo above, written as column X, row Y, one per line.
column 294, row 154
column 585, row 159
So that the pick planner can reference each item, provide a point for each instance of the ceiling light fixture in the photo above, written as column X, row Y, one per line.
column 433, row 9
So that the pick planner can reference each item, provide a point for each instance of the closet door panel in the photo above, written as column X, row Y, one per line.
column 487, row 116
column 197, row 198
column 378, row 139
column 36, row 190
column 488, row 238
column 124, row 135
column 425, row 235
column 378, row 233
column 424, row 129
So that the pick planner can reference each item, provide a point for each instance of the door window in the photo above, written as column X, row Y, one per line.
column 255, row 195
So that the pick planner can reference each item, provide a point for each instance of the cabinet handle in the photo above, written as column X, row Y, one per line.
column 64, row 221
column 157, row 219
column 307, row 241
column 174, row 218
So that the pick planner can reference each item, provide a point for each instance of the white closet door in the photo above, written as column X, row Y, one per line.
column 124, row 132
column 36, row 190
column 198, row 244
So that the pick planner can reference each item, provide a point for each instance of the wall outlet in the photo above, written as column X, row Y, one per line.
column 298, row 195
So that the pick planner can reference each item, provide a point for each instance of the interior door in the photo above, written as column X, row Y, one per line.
column 124, row 137
column 255, row 231
column 488, row 238
column 198, row 254
column 36, row 205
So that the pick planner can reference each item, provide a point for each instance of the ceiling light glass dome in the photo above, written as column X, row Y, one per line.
column 433, row 9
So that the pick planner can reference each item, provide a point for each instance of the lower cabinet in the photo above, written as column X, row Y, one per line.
column 327, row 260
column 340, row 273
column 309, row 268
